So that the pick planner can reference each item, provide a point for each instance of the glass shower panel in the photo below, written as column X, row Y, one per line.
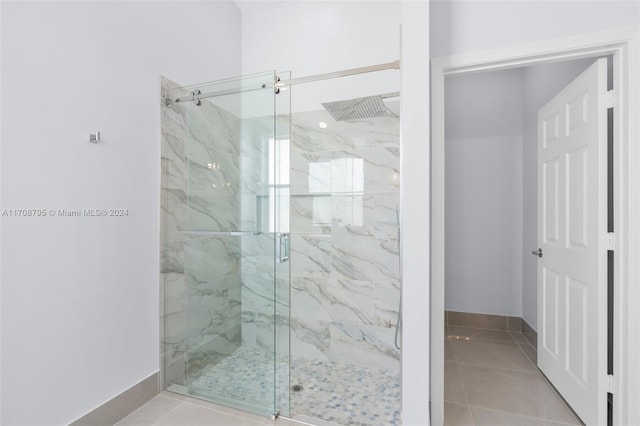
column 219, row 263
column 345, row 277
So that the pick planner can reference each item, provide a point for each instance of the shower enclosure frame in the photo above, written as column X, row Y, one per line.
column 196, row 96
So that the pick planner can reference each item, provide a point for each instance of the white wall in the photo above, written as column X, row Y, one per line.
column 80, row 295
column 491, row 186
column 464, row 26
column 316, row 37
column 483, row 192
column 541, row 83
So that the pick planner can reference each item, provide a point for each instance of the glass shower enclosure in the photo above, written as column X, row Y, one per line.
column 225, row 242
column 280, row 259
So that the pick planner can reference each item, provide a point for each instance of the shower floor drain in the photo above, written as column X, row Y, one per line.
column 296, row 388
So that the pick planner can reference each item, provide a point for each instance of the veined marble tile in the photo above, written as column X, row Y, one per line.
column 174, row 214
column 248, row 327
column 175, row 119
column 212, row 307
column 175, row 329
column 387, row 131
column 210, row 259
column 310, row 172
column 353, row 215
column 214, row 210
column 169, row 88
column 174, row 371
column 308, row 136
column 172, row 257
column 265, row 331
column 283, row 334
column 310, row 255
column 310, row 214
column 323, row 298
column 384, row 215
column 258, row 255
column 364, row 345
column 211, row 126
column 310, row 339
column 258, row 330
column 210, row 350
column 365, row 170
column 248, row 212
column 258, row 292
column 365, row 259
column 386, row 305
column 213, row 165
column 174, row 292
column 283, row 284
column 173, row 165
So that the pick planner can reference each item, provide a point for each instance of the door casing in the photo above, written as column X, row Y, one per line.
column 624, row 45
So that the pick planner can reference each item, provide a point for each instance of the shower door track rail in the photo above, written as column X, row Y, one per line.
column 395, row 65
column 277, row 84
column 196, row 95
column 220, row 233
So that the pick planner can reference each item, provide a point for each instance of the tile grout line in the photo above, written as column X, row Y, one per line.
column 167, row 413
column 564, row 403
column 466, row 364
column 527, row 356
column 534, row 372
column 553, row 389
column 479, row 328
column 142, row 407
column 464, row 390
column 544, row 420
column 187, row 401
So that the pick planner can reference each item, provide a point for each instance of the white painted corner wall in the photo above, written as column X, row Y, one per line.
column 415, row 160
column 459, row 26
column 80, row 312
column 483, row 192
column 491, row 186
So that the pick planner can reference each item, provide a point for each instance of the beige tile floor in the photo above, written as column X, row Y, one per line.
column 491, row 379
column 169, row 409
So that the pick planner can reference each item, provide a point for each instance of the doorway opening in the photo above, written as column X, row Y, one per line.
column 491, row 190
column 620, row 45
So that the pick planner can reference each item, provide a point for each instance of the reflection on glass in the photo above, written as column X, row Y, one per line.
column 322, row 210
column 320, row 177
column 348, row 174
column 279, row 160
column 340, row 175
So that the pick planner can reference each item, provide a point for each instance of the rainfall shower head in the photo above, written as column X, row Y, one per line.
column 359, row 108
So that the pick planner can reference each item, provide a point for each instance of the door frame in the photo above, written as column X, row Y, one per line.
column 624, row 44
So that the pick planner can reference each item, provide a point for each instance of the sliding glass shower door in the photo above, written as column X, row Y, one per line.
column 225, row 269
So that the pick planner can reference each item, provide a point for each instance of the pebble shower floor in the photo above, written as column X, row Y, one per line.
column 340, row 393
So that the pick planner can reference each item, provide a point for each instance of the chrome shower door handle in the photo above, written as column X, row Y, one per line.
column 283, row 248
column 537, row 252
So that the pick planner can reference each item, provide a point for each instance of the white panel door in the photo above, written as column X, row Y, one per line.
column 572, row 235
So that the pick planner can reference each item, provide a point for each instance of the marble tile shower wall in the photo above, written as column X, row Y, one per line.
column 344, row 239
column 200, row 274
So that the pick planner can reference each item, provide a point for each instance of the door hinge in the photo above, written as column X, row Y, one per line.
column 610, row 383
column 611, row 98
column 611, row 240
